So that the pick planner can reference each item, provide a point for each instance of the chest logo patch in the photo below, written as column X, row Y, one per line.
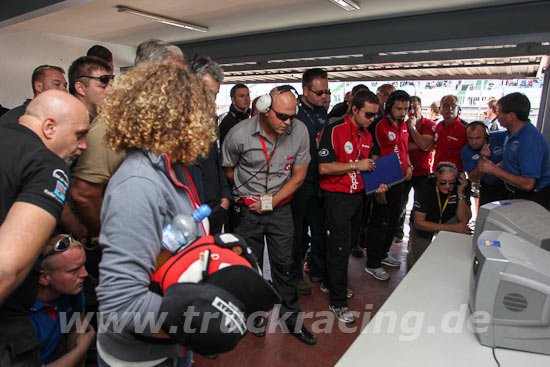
column 348, row 147
column 475, row 157
column 323, row 152
column 497, row 151
column 391, row 136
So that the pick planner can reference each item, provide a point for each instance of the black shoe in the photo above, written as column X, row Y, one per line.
column 303, row 288
column 260, row 324
column 357, row 252
column 315, row 279
column 303, row 335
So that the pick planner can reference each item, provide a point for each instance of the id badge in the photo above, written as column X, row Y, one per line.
column 266, row 201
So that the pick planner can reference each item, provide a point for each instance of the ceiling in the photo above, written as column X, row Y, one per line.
column 260, row 40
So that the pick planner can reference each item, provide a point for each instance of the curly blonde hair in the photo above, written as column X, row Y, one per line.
column 162, row 108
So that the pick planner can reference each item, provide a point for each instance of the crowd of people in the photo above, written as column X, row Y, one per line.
column 91, row 180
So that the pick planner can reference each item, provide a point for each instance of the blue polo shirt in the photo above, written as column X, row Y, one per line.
column 526, row 155
column 47, row 323
column 471, row 157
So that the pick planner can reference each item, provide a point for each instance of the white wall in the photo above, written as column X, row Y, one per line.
column 23, row 51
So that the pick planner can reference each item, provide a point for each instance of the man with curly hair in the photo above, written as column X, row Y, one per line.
column 162, row 117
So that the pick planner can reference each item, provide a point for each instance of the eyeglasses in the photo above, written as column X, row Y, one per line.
column 370, row 115
column 443, row 182
column 102, row 78
column 62, row 245
column 449, row 106
column 319, row 93
column 283, row 116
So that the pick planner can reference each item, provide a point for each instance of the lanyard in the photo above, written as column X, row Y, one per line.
column 441, row 210
column 268, row 158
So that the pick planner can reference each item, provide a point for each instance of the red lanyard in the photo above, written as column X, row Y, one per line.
column 267, row 158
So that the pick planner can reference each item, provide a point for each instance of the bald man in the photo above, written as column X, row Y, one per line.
column 34, row 179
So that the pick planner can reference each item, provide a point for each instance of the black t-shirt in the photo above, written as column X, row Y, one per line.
column 31, row 173
column 426, row 201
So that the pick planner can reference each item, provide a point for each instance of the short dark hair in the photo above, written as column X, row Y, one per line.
column 363, row 96
column 234, row 89
column 311, row 74
column 517, row 103
column 416, row 98
column 358, row 87
column 39, row 72
column 85, row 65
column 102, row 52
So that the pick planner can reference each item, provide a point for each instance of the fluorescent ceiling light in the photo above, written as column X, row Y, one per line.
column 161, row 19
column 347, row 5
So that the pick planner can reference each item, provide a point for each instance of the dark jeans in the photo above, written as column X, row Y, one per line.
column 365, row 217
column 277, row 229
column 217, row 219
column 343, row 220
column 383, row 225
column 307, row 210
column 29, row 358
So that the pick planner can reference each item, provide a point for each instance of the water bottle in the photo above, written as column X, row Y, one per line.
column 184, row 229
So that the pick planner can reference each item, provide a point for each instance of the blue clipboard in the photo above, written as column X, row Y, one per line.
column 388, row 171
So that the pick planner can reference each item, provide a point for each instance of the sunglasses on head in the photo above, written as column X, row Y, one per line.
column 443, row 182
column 283, row 116
column 319, row 93
column 60, row 246
column 102, row 78
column 370, row 115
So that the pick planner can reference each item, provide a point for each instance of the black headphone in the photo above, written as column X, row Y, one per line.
column 472, row 124
column 398, row 95
column 263, row 104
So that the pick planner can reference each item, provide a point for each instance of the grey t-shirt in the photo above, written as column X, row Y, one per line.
column 242, row 149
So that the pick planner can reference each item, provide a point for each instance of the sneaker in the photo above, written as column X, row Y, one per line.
column 342, row 314
column 391, row 261
column 324, row 289
column 378, row 273
column 303, row 288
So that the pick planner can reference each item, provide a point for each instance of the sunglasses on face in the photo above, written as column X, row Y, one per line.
column 60, row 246
column 283, row 116
column 319, row 93
column 370, row 115
column 102, row 78
column 443, row 182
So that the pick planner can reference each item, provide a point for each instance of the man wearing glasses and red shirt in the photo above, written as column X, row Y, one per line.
column 450, row 134
column 344, row 151
column 441, row 203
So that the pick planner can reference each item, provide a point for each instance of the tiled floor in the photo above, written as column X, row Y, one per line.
column 278, row 349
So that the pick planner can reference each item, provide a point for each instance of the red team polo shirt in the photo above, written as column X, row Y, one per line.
column 422, row 161
column 343, row 142
column 393, row 139
column 449, row 142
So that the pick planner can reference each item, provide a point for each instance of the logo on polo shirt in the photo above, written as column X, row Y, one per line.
column 436, row 136
column 434, row 128
column 497, row 151
column 323, row 152
column 475, row 157
column 61, row 185
column 391, row 136
column 348, row 147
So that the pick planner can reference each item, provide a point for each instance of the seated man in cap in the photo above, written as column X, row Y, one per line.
column 59, row 297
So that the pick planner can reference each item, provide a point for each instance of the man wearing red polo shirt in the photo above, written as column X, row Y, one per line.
column 344, row 150
column 391, row 137
column 450, row 134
